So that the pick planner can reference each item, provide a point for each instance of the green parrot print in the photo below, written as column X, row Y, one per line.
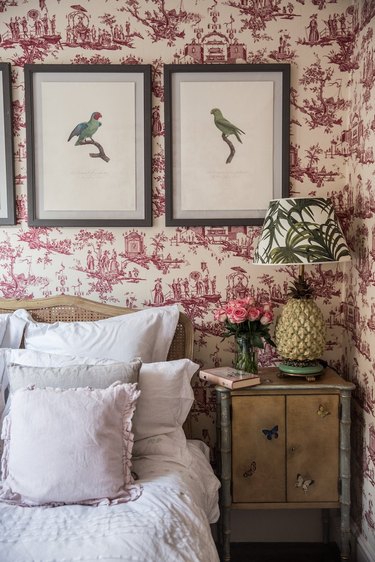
column 85, row 131
column 227, row 128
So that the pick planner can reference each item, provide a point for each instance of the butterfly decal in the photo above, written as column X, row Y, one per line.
column 322, row 412
column 271, row 433
column 302, row 483
column 252, row 469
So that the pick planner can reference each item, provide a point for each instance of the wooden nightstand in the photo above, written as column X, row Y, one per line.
column 285, row 444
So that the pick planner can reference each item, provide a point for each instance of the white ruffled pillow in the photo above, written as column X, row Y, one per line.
column 69, row 446
column 147, row 334
column 40, row 360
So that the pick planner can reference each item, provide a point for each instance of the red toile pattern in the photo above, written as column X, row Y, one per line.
column 330, row 45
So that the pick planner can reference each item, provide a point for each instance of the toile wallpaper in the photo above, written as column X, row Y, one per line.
column 330, row 46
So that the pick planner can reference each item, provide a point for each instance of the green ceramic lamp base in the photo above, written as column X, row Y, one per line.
column 301, row 370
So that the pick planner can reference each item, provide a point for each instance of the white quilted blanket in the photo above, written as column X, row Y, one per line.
column 168, row 523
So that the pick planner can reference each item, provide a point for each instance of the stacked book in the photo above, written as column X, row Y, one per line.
column 229, row 377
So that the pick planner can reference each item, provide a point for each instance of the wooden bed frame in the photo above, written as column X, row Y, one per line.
column 68, row 308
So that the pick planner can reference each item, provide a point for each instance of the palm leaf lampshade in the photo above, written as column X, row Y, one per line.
column 300, row 231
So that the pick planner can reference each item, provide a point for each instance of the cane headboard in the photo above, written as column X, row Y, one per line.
column 67, row 308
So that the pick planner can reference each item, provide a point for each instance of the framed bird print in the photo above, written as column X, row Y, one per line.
column 7, row 194
column 88, row 133
column 226, row 142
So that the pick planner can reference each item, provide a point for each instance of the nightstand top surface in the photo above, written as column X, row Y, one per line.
column 272, row 379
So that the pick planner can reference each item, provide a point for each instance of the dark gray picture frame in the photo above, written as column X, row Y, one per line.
column 188, row 88
column 7, row 180
column 119, row 184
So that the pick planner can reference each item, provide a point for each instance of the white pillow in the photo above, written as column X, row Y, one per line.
column 166, row 397
column 12, row 327
column 171, row 447
column 73, row 376
column 3, row 326
column 42, row 359
column 147, row 334
column 69, row 446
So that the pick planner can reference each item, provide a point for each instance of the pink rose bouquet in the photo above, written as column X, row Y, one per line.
column 249, row 321
column 246, row 317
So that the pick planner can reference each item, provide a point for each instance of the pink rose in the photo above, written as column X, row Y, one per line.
column 254, row 313
column 267, row 306
column 230, row 307
column 250, row 301
column 266, row 318
column 220, row 314
column 238, row 315
column 241, row 302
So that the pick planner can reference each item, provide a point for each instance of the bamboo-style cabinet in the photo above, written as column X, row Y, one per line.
column 285, row 444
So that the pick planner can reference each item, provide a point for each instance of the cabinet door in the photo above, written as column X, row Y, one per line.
column 312, row 448
column 258, row 462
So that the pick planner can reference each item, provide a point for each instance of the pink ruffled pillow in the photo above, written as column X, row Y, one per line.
column 69, row 446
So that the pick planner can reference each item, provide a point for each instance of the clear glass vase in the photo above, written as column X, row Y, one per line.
column 246, row 355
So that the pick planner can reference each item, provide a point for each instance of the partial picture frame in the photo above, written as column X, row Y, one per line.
column 226, row 142
column 7, row 179
column 88, row 137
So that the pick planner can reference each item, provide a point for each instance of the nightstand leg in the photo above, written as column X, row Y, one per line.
column 345, row 474
column 218, row 465
column 325, row 525
column 223, row 397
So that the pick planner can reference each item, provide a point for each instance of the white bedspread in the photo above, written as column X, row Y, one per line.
column 168, row 523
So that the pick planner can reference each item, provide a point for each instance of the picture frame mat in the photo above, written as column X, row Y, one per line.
column 255, row 164
column 228, row 206
column 62, row 189
column 115, row 162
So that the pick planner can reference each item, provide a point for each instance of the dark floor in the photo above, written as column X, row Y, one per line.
column 284, row 552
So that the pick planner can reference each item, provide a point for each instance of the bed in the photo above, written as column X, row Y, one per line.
column 177, row 492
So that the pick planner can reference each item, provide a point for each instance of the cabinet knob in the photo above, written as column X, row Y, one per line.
column 271, row 433
column 303, row 483
column 250, row 471
column 322, row 411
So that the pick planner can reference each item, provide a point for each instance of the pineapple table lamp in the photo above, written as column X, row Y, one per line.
column 299, row 231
